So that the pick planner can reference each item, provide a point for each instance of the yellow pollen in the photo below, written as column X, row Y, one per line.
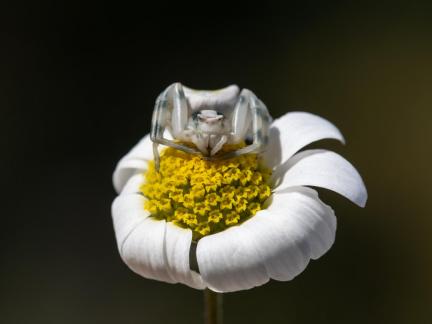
column 205, row 196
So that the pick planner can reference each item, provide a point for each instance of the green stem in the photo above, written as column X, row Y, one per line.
column 213, row 308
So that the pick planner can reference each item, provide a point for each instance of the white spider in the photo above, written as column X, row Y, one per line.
column 209, row 119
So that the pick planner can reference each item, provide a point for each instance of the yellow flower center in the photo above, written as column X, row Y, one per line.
column 205, row 196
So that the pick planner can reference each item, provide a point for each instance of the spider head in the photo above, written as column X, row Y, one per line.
column 209, row 121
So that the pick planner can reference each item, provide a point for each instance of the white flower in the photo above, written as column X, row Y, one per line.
column 276, row 243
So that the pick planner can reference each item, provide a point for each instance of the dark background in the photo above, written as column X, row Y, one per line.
column 77, row 87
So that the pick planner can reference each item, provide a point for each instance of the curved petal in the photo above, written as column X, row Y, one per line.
column 277, row 243
column 322, row 168
column 140, row 238
column 127, row 212
column 133, row 162
column 136, row 161
column 153, row 249
column 127, row 209
column 293, row 131
column 177, row 248
column 143, row 250
column 230, row 260
column 133, row 185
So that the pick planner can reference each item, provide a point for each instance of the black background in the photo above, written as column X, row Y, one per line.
column 77, row 87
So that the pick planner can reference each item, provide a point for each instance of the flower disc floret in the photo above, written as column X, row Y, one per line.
column 205, row 196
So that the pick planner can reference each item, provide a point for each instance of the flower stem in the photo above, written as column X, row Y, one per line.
column 213, row 308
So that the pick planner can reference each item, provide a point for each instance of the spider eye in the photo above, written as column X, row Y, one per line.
column 195, row 115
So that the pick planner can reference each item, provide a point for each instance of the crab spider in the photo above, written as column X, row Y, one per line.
column 209, row 119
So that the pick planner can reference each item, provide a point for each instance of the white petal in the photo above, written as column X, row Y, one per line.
column 134, row 184
column 276, row 243
column 162, row 252
column 134, row 162
column 143, row 250
column 127, row 212
column 305, row 208
column 322, row 168
column 229, row 260
column 140, row 238
column 293, row 131
column 177, row 248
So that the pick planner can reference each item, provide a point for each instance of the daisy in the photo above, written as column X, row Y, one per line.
column 234, row 224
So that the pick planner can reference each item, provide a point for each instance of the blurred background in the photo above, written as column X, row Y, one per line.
column 77, row 88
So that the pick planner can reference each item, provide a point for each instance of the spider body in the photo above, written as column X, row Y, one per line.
column 209, row 120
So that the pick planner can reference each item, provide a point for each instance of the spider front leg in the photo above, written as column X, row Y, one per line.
column 171, row 111
column 250, row 109
column 218, row 145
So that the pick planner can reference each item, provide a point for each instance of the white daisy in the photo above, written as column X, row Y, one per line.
column 277, row 242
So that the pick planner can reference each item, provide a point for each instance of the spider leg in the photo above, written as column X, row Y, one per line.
column 219, row 144
column 170, row 99
column 260, row 127
column 241, row 118
column 159, row 117
column 180, row 112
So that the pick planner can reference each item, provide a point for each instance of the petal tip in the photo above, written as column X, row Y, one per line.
column 363, row 198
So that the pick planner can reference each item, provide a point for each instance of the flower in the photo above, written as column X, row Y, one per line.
column 247, row 239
